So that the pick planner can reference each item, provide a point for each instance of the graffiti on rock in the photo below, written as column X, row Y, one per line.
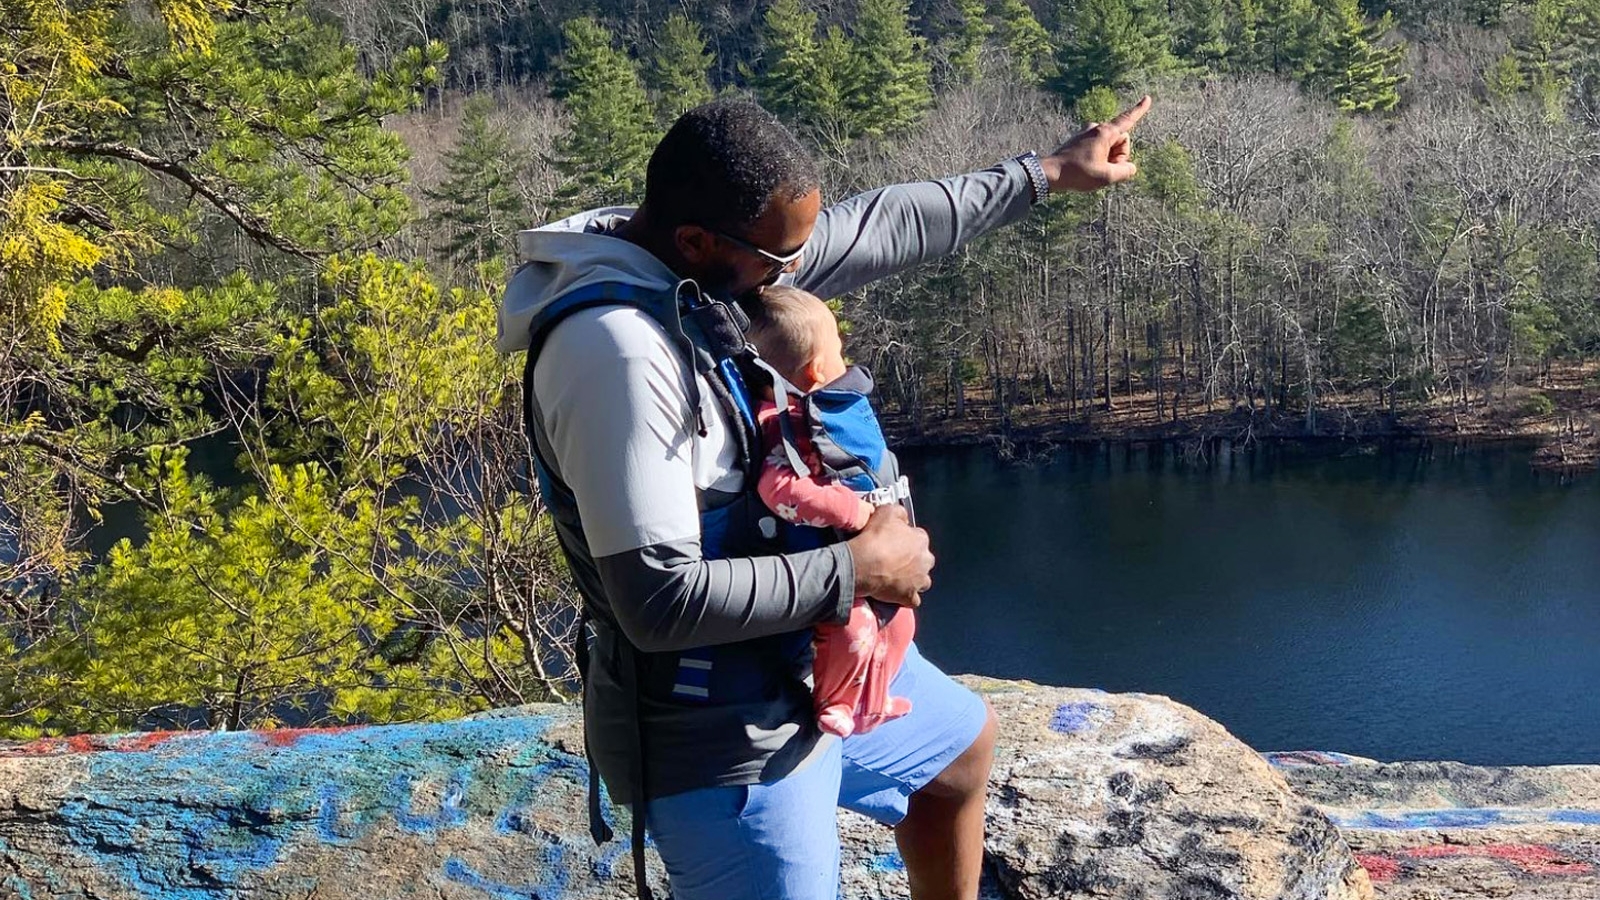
column 889, row 861
column 196, row 816
column 1077, row 718
column 1300, row 759
column 1470, row 818
column 1526, row 859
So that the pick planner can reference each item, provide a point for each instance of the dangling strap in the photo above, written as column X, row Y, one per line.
column 599, row 828
column 780, row 395
column 630, row 677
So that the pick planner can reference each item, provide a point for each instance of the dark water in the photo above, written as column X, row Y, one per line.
column 1421, row 602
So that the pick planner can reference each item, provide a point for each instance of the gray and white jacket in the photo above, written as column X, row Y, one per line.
column 610, row 414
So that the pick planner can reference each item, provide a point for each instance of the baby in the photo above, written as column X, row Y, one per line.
column 797, row 335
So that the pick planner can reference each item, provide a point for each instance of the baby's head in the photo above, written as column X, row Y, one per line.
column 796, row 334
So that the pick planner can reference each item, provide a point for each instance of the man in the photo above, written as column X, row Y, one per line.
column 696, row 705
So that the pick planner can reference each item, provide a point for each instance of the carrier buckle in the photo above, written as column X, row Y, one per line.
column 888, row 495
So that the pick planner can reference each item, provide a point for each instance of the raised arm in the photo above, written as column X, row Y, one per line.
column 885, row 231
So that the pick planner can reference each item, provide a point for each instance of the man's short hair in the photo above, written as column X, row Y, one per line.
column 783, row 327
column 721, row 164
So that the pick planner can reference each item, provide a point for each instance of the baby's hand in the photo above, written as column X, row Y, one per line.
column 863, row 513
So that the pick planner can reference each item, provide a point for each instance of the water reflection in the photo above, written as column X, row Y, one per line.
column 1405, row 601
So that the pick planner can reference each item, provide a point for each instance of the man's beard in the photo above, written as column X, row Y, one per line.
column 719, row 282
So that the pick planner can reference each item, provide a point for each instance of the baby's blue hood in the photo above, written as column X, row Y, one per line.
column 572, row 253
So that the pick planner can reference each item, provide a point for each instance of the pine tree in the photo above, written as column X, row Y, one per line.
column 478, row 203
column 1108, row 43
column 603, row 154
column 1360, row 75
column 130, row 135
column 1287, row 37
column 1586, row 41
column 1503, row 78
column 1199, row 37
column 1559, row 53
column 1241, row 31
column 1026, row 42
column 830, row 117
column 886, row 90
column 790, row 78
column 678, row 69
column 965, row 42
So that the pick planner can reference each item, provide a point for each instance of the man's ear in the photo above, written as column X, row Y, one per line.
column 695, row 244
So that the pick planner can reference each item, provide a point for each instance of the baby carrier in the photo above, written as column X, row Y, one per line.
column 840, row 422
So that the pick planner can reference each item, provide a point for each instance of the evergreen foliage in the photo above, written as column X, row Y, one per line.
column 603, row 154
column 477, row 203
column 1108, row 43
column 1241, row 33
column 1288, row 35
column 1354, row 66
column 679, row 67
column 1025, row 41
column 160, row 151
column 886, row 87
column 1556, row 55
column 796, row 79
column 965, row 42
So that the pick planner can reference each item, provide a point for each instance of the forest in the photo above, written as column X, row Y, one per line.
column 250, row 255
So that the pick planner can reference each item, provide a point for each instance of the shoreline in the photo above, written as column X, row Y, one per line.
column 1561, row 423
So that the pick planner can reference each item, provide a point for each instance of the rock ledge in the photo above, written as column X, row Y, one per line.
column 1094, row 795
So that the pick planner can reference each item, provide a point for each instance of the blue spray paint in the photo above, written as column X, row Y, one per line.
column 1403, row 820
column 553, row 887
column 885, row 863
column 210, row 814
column 451, row 811
column 1076, row 718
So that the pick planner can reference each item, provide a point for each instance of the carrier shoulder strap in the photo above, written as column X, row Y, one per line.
column 716, row 349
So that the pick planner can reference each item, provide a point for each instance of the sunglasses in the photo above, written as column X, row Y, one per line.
column 775, row 263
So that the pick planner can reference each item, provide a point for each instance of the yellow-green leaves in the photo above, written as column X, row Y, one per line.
column 36, row 252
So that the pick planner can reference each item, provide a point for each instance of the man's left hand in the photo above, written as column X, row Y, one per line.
column 1098, row 156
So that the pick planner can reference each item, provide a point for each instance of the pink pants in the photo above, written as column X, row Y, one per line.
column 855, row 663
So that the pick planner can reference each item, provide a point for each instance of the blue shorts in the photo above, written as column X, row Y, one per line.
column 780, row 841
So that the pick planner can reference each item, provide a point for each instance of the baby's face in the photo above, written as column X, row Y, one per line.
column 830, row 350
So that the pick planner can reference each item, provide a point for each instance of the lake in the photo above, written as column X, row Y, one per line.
column 1424, row 601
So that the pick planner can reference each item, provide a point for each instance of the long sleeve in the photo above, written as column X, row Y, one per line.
column 611, row 402
column 893, row 228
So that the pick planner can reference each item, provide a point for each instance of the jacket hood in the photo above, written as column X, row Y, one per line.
column 573, row 253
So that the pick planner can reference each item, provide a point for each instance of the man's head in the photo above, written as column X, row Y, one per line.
column 735, row 195
column 797, row 334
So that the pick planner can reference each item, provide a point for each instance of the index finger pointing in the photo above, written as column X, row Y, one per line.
column 1130, row 117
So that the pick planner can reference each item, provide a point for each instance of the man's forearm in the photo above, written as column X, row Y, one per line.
column 891, row 229
column 667, row 598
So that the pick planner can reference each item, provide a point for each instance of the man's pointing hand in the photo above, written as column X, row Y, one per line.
column 1097, row 156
